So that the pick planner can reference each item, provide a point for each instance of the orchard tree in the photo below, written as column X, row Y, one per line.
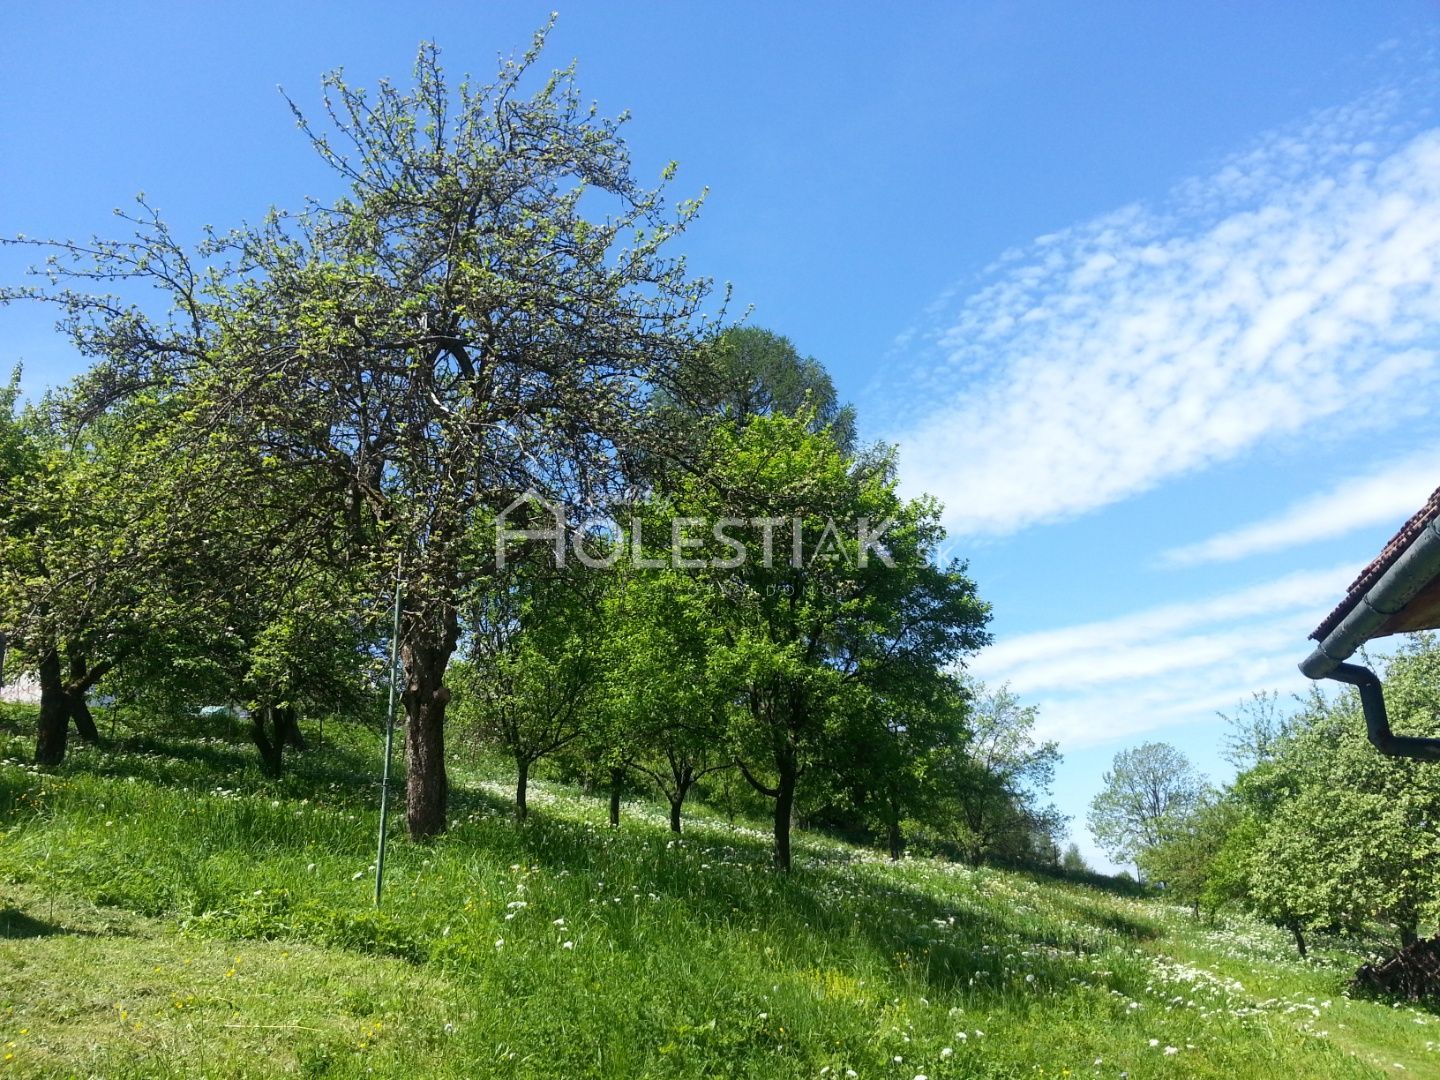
column 1259, row 730
column 995, row 780
column 1185, row 861
column 533, row 677
column 485, row 312
column 820, row 578
column 668, row 712
column 1353, row 839
column 1073, row 861
column 913, row 727
column 78, row 582
column 1148, row 790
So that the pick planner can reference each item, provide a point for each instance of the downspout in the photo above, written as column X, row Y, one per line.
column 1416, row 567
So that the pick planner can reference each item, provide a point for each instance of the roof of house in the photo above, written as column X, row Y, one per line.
column 1382, row 562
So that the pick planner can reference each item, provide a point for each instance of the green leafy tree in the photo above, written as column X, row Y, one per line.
column 1073, row 862
column 747, row 372
column 996, row 780
column 534, row 671
column 669, row 712
column 1184, row 862
column 846, row 597
column 485, row 312
column 78, row 571
column 1148, row 790
column 1348, row 834
column 1259, row 729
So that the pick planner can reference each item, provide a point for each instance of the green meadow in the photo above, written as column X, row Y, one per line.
column 166, row 910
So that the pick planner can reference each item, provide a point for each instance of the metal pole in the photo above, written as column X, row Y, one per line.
column 389, row 735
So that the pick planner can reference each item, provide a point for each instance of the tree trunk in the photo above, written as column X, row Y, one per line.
column 272, row 751
column 287, row 728
column 54, row 727
column 427, row 787
column 897, row 840
column 784, row 807
column 76, row 692
column 682, row 791
column 1299, row 938
column 79, row 710
column 1408, row 935
column 617, row 778
column 522, row 783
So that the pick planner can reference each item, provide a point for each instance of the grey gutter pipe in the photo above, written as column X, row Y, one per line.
column 1417, row 566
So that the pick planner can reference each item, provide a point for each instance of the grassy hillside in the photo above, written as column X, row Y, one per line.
column 167, row 911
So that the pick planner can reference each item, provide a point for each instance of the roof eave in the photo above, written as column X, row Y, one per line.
column 1376, row 612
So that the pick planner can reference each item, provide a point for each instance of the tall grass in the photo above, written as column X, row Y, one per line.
column 563, row 948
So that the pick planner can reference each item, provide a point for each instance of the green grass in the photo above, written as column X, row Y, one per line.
column 165, row 910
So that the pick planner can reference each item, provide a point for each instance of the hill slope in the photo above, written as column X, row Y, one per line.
column 166, row 911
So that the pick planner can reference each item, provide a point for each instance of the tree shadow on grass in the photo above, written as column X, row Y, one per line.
column 229, row 759
column 16, row 924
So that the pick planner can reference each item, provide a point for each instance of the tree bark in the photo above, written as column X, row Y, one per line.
column 427, row 787
column 287, row 728
column 79, row 711
column 53, row 729
column 1299, row 938
column 77, row 690
column 1409, row 935
column 683, row 783
column 784, row 795
column 784, row 807
column 522, row 784
column 617, row 777
column 272, row 751
column 896, row 839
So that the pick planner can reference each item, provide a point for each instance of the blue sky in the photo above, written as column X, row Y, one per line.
column 1146, row 293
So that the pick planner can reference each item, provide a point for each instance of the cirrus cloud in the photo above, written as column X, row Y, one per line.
column 1386, row 495
column 1298, row 280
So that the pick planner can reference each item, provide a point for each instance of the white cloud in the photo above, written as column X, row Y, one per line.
column 1385, row 496
column 1299, row 281
column 1313, row 591
column 1167, row 665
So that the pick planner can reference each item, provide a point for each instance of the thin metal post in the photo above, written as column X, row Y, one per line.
column 389, row 735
